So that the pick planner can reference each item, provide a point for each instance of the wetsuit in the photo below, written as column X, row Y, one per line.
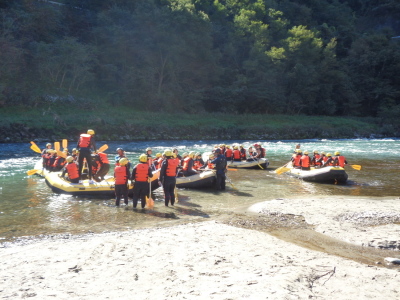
column 168, row 173
column 220, row 166
column 85, row 144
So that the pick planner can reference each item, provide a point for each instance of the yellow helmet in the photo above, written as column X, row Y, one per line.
column 158, row 155
column 305, row 152
column 185, row 154
column 143, row 158
column 228, row 147
column 298, row 151
column 69, row 159
column 49, row 150
column 323, row 153
column 90, row 131
column 191, row 154
column 329, row 154
column 337, row 153
column 123, row 161
column 315, row 151
column 222, row 145
column 174, row 155
column 168, row 152
column 236, row 147
column 65, row 150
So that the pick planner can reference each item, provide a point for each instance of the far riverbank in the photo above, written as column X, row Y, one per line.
column 39, row 124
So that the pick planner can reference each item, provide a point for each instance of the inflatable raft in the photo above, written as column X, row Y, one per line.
column 336, row 175
column 254, row 164
column 202, row 180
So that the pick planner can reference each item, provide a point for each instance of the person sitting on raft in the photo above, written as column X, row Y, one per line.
column 141, row 174
column 305, row 161
column 71, row 169
column 315, row 159
column 175, row 151
column 339, row 160
column 103, row 166
column 198, row 161
column 329, row 161
column 44, row 151
column 242, row 152
column 228, row 153
column 251, row 154
column 236, row 154
column 149, row 152
column 157, row 161
column 188, row 165
column 208, row 165
column 296, row 159
column 59, row 162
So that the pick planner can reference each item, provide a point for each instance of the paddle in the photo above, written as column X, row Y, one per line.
column 64, row 143
column 35, row 148
column 103, row 148
column 282, row 169
column 356, row 167
column 176, row 194
column 257, row 163
column 57, row 146
column 230, row 181
column 31, row 172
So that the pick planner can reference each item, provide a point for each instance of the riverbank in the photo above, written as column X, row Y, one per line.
column 24, row 125
column 207, row 260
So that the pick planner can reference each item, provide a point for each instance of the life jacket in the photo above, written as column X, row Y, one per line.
column 296, row 161
column 243, row 153
column 158, row 162
column 84, row 140
column 120, row 175
column 341, row 161
column 142, row 172
column 223, row 149
column 305, row 161
column 325, row 158
column 59, row 162
column 72, row 170
column 228, row 153
column 172, row 164
column 186, row 163
column 237, row 154
column 197, row 164
column 51, row 160
column 210, row 165
column 103, row 158
column 263, row 152
column 315, row 160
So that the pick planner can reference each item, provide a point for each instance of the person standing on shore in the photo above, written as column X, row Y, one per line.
column 169, row 169
column 121, row 175
column 85, row 143
column 220, row 166
column 141, row 174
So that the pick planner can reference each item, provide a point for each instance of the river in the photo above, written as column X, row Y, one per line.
column 29, row 208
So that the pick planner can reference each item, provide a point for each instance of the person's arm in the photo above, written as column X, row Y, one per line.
column 162, row 170
column 93, row 142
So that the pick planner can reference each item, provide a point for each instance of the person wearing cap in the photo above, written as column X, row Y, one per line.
column 85, row 144
column 169, row 169
column 220, row 165
column 242, row 152
column 121, row 176
column 45, row 155
column 44, row 151
column 103, row 166
column 251, row 153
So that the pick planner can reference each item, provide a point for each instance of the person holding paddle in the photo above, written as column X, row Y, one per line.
column 85, row 143
column 141, row 174
column 340, row 160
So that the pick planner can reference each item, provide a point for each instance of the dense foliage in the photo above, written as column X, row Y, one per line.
column 313, row 57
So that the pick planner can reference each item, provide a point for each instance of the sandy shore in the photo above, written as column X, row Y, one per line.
column 207, row 260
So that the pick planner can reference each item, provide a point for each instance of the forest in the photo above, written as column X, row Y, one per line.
column 289, row 57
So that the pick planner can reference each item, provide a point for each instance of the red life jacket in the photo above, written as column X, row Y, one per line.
column 196, row 164
column 228, row 152
column 72, row 170
column 317, row 157
column 103, row 158
column 171, row 167
column 263, row 152
column 59, row 162
column 236, row 154
column 210, row 165
column 305, row 161
column 341, row 161
column 186, row 163
column 120, row 175
column 84, row 140
column 142, row 172
column 325, row 158
column 243, row 153
column 149, row 160
column 296, row 161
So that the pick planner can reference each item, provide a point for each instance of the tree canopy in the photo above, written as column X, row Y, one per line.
column 315, row 57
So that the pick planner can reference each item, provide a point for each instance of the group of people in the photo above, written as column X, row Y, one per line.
column 302, row 160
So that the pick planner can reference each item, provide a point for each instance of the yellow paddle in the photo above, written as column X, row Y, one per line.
column 230, row 181
column 31, row 172
column 282, row 169
column 64, row 143
column 103, row 148
column 62, row 154
column 356, row 167
column 57, row 146
column 176, row 194
column 150, row 201
column 35, row 148
column 258, row 163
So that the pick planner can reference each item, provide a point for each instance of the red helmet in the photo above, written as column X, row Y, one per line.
column 256, row 145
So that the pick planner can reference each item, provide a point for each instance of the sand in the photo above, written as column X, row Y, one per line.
column 207, row 260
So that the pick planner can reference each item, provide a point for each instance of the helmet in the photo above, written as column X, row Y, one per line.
column 173, row 154
column 256, row 145
column 185, row 154
column 119, row 149
column 48, row 144
column 337, row 153
column 315, row 151
column 191, row 154
column 49, row 151
column 305, row 152
column 123, row 161
column 222, row 145
column 298, row 151
column 241, row 146
column 197, row 154
column 69, row 159
column 329, row 154
column 211, row 155
column 65, row 150
column 158, row 155
column 143, row 158
column 168, row 152
column 90, row 131
column 227, row 146
column 217, row 151
column 236, row 147
column 323, row 153
column 148, row 149
column 73, row 149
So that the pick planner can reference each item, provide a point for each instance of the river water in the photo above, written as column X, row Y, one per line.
column 29, row 208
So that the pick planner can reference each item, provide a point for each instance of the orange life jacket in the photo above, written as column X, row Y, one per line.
column 186, row 163
column 84, row 140
column 197, row 164
column 305, row 161
column 120, row 175
column 236, row 154
column 72, row 170
column 103, row 158
column 228, row 152
column 158, row 162
column 341, row 161
column 142, row 172
column 59, row 162
column 171, row 167
column 296, row 161
column 210, row 165
column 317, row 157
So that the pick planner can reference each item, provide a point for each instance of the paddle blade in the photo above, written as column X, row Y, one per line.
column 103, row 148
column 35, row 148
column 176, row 195
column 149, row 202
column 356, row 167
column 64, row 143
column 57, row 146
column 232, row 169
column 282, row 170
column 62, row 154
column 31, row 172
